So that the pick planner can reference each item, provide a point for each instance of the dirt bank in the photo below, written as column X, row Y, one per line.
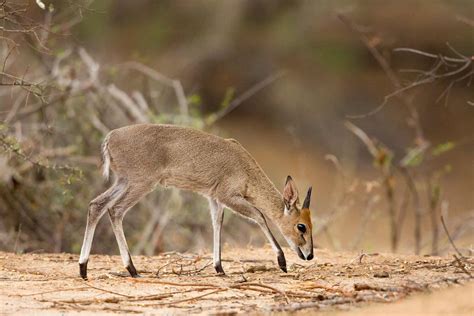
column 187, row 283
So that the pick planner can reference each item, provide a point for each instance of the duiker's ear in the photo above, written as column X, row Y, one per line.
column 307, row 200
column 290, row 193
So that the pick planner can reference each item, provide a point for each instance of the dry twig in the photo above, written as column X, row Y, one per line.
column 449, row 237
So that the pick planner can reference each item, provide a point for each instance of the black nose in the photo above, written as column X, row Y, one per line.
column 310, row 256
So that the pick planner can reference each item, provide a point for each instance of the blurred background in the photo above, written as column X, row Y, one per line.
column 370, row 102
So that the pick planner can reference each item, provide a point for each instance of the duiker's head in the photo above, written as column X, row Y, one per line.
column 296, row 223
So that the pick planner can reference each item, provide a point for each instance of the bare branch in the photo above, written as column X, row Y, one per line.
column 245, row 96
column 173, row 83
column 369, row 143
column 430, row 55
column 465, row 20
column 426, row 76
column 127, row 103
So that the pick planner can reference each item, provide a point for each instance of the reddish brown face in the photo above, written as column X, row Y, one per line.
column 306, row 217
column 297, row 226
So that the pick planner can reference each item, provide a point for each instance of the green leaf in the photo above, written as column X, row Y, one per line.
column 413, row 158
column 195, row 100
column 210, row 119
column 442, row 148
column 229, row 95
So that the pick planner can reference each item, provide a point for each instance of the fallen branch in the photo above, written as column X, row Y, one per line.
column 192, row 298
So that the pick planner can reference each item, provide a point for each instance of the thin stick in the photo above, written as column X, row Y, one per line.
column 263, row 286
column 189, row 272
column 108, row 291
column 54, row 291
column 330, row 289
column 245, row 96
column 449, row 237
column 174, row 283
column 235, row 286
column 192, row 298
column 422, row 53
column 136, row 298
column 462, row 266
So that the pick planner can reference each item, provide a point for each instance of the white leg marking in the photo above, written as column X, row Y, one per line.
column 97, row 209
column 217, row 215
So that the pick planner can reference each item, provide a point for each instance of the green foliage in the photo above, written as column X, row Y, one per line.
column 413, row 158
column 229, row 95
column 383, row 159
column 442, row 148
column 194, row 100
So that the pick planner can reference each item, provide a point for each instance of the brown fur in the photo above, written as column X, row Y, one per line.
column 192, row 160
column 144, row 155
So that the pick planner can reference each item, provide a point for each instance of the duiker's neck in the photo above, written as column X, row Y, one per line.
column 270, row 202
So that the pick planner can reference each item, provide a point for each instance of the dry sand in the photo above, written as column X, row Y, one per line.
column 332, row 284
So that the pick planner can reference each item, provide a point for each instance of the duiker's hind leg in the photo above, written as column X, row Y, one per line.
column 97, row 208
column 132, row 195
column 217, row 215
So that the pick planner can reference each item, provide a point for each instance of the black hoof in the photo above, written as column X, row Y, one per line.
column 83, row 270
column 282, row 262
column 219, row 269
column 133, row 272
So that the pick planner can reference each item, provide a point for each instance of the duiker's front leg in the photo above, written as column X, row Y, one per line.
column 217, row 215
column 246, row 209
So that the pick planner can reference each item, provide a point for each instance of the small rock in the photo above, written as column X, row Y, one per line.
column 259, row 268
column 288, row 275
column 362, row 286
column 242, row 279
column 383, row 274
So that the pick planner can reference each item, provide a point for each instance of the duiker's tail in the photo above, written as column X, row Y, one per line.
column 106, row 157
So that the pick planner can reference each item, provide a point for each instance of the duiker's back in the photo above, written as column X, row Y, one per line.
column 181, row 157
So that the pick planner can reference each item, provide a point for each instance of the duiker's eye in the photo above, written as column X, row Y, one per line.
column 301, row 228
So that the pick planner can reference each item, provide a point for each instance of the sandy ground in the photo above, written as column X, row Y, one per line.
column 333, row 284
